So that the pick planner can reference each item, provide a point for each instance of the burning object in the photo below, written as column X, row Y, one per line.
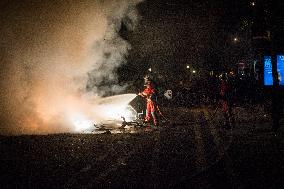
column 107, row 113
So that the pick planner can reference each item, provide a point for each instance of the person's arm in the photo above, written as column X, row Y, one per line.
column 141, row 94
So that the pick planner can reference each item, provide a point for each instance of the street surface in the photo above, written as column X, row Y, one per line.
column 194, row 150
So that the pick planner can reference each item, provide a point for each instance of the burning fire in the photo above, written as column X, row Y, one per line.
column 109, row 110
column 81, row 123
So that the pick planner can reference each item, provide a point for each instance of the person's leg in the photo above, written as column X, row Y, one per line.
column 225, row 109
column 148, row 112
column 153, row 112
column 155, row 120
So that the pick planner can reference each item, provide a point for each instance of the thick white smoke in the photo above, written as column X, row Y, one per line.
column 54, row 55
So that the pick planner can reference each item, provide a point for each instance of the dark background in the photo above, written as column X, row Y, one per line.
column 174, row 34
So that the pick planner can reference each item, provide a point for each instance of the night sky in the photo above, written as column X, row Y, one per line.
column 173, row 34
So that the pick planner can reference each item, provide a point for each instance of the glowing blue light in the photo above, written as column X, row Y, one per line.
column 280, row 68
column 268, row 79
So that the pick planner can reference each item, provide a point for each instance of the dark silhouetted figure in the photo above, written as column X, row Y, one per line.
column 277, row 108
column 224, row 100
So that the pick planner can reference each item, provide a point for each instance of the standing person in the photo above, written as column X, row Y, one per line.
column 224, row 100
column 277, row 107
column 213, row 90
column 150, row 94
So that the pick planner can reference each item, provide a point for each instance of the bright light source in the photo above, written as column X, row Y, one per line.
column 252, row 3
column 193, row 71
column 236, row 39
column 187, row 67
column 81, row 123
column 115, row 112
column 150, row 69
column 105, row 110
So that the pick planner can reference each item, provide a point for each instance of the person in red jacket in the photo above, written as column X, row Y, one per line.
column 225, row 100
column 149, row 93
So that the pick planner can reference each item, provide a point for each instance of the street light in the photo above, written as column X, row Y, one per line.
column 252, row 3
column 150, row 69
column 187, row 67
column 236, row 39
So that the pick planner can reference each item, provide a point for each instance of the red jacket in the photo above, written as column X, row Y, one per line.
column 224, row 88
column 149, row 91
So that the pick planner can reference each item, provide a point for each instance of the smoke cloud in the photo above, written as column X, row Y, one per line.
column 57, row 58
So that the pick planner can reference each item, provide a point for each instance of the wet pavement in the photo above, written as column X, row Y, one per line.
column 193, row 150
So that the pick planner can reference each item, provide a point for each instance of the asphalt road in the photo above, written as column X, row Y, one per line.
column 194, row 151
